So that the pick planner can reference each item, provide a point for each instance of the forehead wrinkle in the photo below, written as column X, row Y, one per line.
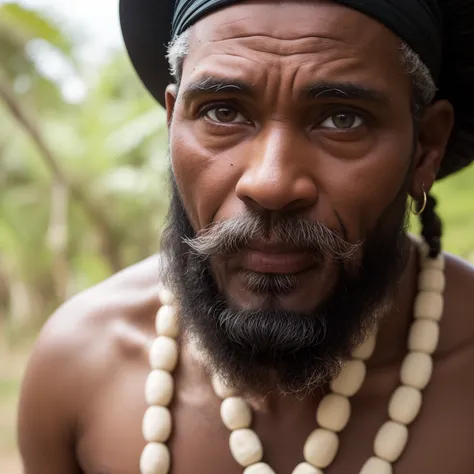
column 277, row 46
column 260, row 58
column 290, row 20
column 241, row 68
column 325, row 64
column 241, row 57
column 275, row 79
column 316, row 37
column 229, row 54
column 277, row 38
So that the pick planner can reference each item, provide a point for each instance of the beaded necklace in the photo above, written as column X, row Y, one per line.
column 333, row 412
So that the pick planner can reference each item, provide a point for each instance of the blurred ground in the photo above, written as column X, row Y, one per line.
column 12, row 365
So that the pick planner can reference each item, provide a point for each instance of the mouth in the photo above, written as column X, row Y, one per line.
column 277, row 259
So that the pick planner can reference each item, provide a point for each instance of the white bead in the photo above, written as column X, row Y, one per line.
column 165, row 296
column 376, row 466
column 156, row 425
column 390, row 441
column 259, row 468
column 405, row 404
column 159, row 388
column 333, row 412
column 167, row 323
column 416, row 370
column 424, row 336
column 428, row 305
column 164, row 354
column 320, row 448
column 366, row 349
column 221, row 389
column 306, row 468
column 236, row 413
column 155, row 459
column 431, row 279
column 350, row 379
column 245, row 447
column 438, row 262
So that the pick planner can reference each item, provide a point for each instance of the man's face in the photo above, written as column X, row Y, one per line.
column 291, row 116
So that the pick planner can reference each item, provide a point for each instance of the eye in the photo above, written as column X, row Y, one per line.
column 343, row 121
column 225, row 114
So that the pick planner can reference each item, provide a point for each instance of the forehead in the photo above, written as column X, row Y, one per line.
column 310, row 40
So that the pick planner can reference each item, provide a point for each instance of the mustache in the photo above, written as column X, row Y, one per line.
column 229, row 236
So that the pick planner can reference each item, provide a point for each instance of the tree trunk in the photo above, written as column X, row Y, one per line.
column 58, row 236
column 108, row 234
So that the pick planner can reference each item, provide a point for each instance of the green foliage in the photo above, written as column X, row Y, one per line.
column 456, row 206
column 455, row 196
column 21, row 24
column 82, row 185
column 20, row 29
column 78, row 181
column 8, row 388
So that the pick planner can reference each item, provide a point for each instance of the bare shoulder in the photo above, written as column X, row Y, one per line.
column 122, row 298
column 458, row 319
column 460, row 277
column 112, row 315
column 93, row 313
column 459, row 291
column 80, row 347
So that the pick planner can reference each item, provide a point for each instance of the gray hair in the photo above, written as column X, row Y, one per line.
column 178, row 49
column 421, row 77
column 424, row 85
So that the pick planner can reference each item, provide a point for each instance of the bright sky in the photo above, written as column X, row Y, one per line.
column 97, row 23
column 98, row 19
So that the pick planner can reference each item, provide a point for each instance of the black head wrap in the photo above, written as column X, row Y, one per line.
column 441, row 32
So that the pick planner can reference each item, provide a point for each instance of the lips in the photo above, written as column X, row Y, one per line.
column 276, row 258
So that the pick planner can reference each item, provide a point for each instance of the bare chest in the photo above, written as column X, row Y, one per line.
column 439, row 441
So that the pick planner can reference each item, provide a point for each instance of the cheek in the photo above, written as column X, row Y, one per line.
column 362, row 190
column 206, row 177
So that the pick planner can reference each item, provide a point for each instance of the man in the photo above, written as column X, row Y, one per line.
column 297, row 131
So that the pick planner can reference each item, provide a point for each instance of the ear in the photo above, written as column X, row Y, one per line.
column 170, row 101
column 433, row 135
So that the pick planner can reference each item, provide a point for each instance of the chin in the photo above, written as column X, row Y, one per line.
column 301, row 292
column 261, row 341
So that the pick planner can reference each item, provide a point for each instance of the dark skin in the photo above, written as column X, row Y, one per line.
column 82, row 401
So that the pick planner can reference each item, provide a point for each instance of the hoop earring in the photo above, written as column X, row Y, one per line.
column 423, row 206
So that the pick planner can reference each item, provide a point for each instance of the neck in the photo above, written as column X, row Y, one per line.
column 393, row 329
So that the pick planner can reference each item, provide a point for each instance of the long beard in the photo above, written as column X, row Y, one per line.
column 266, row 349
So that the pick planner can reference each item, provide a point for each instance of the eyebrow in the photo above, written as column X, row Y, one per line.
column 320, row 90
column 211, row 84
column 344, row 90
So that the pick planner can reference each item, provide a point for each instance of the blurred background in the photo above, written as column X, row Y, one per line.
column 83, row 173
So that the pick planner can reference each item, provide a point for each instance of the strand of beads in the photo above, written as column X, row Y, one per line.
column 332, row 416
column 245, row 445
column 416, row 369
column 159, row 388
column 334, row 412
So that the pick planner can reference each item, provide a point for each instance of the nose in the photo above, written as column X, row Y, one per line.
column 277, row 176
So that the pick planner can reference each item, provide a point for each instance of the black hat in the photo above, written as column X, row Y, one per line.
column 147, row 24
